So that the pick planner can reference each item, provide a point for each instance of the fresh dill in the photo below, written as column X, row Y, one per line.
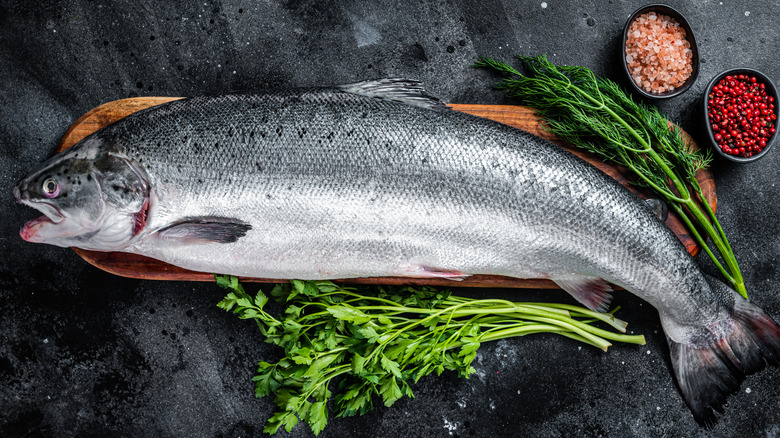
column 372, row 342
column 597, row 115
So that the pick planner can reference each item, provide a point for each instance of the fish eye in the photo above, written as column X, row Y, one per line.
column 51, row 188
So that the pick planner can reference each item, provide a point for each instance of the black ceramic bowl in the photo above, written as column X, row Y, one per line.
column 771, row 90
column 664, row 10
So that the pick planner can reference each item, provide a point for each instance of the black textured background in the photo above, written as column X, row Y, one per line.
column 85, row 353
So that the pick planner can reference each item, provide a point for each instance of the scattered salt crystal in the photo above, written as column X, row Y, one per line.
column 748, row 390
column 544, row 5
column 747, row 13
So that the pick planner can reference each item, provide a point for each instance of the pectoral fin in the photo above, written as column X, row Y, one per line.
column 592, row 292
column 205, row 230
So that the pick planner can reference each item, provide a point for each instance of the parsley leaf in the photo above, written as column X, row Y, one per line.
column 374, row 341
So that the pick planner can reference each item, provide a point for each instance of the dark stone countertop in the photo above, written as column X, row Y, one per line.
column 85, row 353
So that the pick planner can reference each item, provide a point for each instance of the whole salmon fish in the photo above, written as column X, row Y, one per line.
column 380, row 179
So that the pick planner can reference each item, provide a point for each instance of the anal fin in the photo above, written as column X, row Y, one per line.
column 206, row 229
column 592, row 292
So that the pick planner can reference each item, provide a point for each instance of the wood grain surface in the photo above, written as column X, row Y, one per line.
column 135, row 266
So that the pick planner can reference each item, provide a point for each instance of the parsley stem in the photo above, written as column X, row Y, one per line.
column 605, row 317
column 377, row 342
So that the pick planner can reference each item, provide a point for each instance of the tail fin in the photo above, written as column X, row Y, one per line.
column 707, row 376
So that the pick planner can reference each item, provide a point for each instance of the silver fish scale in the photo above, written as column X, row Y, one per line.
column 340, row 185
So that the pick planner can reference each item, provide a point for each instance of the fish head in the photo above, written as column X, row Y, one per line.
column 92, row 196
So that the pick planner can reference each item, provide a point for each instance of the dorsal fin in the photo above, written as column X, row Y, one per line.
column 407, row 91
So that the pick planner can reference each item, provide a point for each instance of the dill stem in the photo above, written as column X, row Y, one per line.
column 700, row 240
column 588, row 112
column 733, row 274
column 738, row 282
column 648, row 148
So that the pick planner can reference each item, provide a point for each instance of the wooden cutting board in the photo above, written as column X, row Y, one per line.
column 135, row 266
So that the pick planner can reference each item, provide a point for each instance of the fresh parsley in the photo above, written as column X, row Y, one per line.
column 372, row 342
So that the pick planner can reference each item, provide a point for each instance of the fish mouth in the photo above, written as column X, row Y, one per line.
column 51, row 215
column 50, row 212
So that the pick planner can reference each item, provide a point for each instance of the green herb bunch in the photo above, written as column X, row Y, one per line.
column 375, row 341
column 597, row 115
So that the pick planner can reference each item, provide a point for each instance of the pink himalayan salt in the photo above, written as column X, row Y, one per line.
column 658, row 54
